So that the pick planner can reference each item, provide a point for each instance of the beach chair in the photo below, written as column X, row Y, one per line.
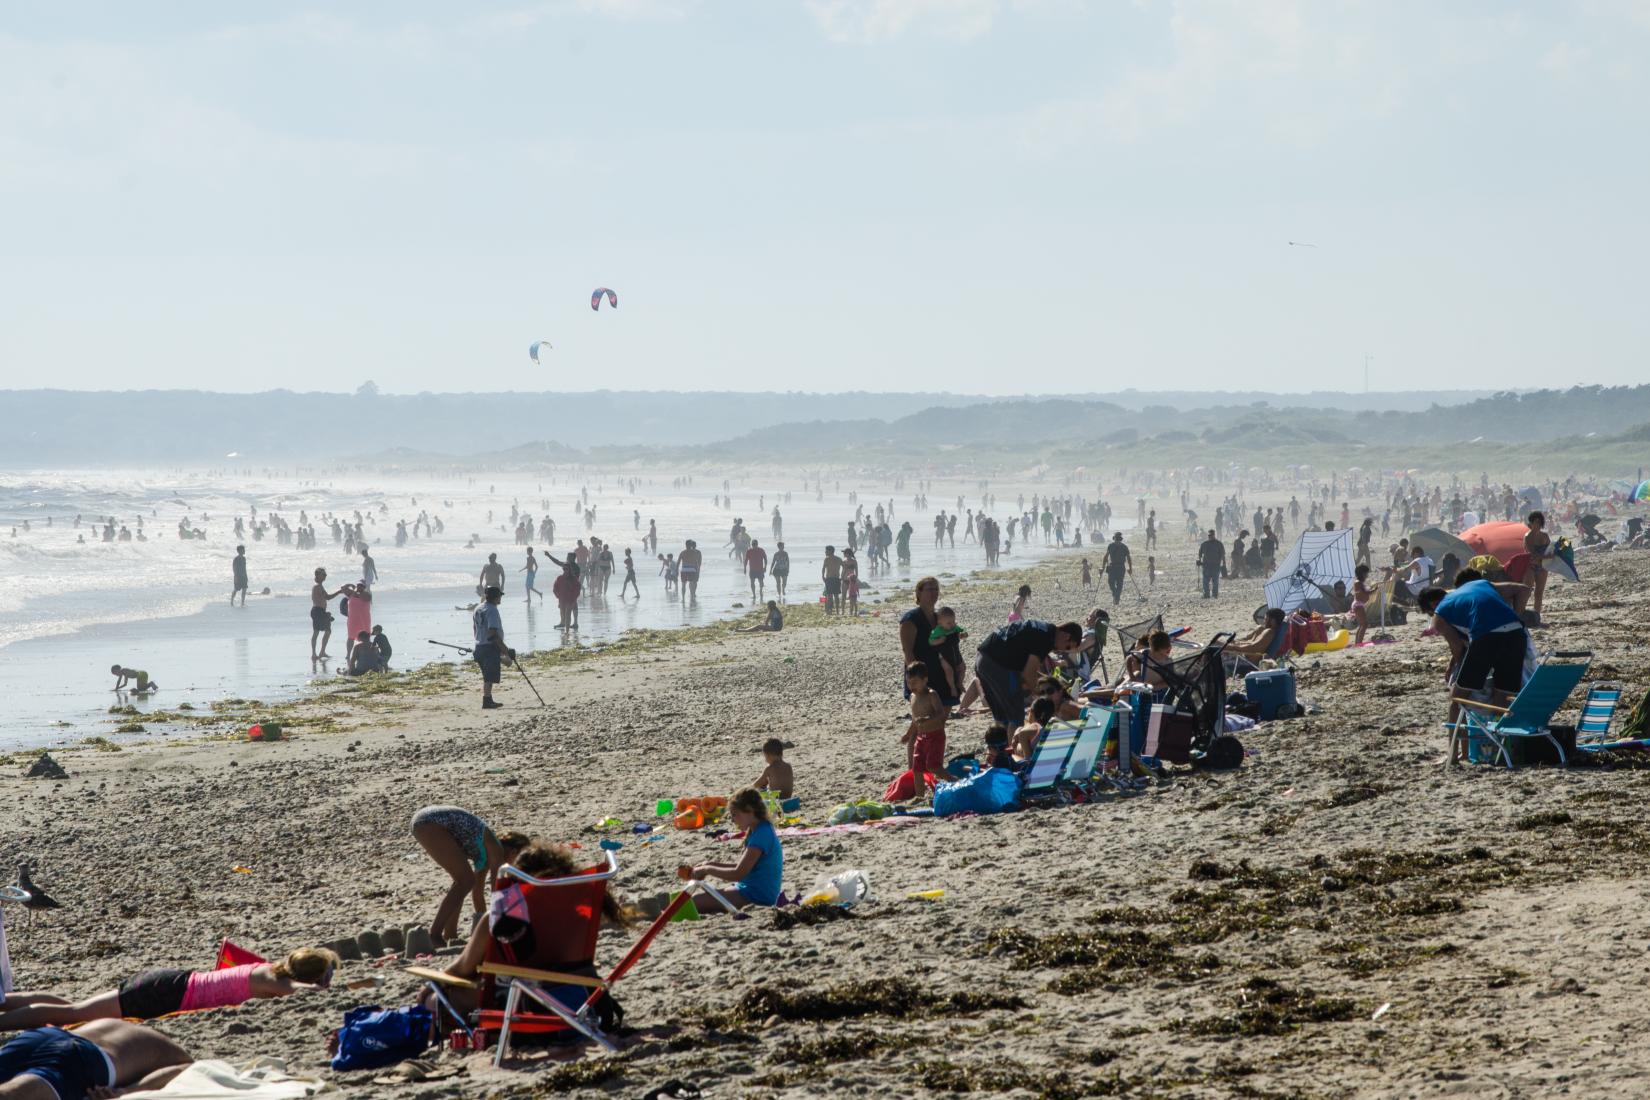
column 1040, row 777
column 1530, row 713
column 1129, row 636
column 1598, row 712
column 1086, row 751
column 552, row 986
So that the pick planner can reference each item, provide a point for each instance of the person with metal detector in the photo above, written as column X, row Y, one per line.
column 1118, row 566
column 490, row 648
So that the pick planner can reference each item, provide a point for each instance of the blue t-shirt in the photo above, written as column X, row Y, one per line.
column 761, row 886
column 1477, row 609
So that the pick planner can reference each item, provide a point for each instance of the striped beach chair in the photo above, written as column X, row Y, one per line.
column 1598, row 712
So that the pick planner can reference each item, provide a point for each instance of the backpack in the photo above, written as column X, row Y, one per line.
column 373, row 1037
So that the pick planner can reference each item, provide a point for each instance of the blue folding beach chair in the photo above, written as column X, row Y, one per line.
column 1041, row 775
column 1529, row 715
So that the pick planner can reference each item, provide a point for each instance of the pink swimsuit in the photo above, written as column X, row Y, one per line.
column 218, row 988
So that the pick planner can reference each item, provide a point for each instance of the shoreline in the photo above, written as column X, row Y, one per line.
column 1218, row 932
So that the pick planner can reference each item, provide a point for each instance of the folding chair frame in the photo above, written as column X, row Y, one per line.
column 1474, row 720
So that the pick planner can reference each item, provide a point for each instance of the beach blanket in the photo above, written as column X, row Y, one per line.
column 259, row 1079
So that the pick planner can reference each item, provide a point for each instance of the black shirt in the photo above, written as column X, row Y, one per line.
column 1011, row 646
column 923, row 650
column 1117, row 557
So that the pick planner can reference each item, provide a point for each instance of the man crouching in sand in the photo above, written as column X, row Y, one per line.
column 101, row 1059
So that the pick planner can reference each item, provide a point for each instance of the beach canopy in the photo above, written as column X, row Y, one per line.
column 1437, row 542
column 1308, row 574
column 1504, row 540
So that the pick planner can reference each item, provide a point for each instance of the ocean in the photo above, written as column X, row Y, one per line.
column 72, row 605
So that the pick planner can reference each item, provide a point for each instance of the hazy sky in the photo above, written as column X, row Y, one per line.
column 998, row 196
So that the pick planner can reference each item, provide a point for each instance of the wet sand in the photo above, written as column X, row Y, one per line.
column 1340, row 917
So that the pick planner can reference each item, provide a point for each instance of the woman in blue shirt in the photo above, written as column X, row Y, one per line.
column 761, row 863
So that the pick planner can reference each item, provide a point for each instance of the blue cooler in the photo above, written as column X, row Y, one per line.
column 1273, row 692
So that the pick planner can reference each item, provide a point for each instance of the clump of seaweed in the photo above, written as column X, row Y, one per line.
column 1544, row 820
column 578, row 1075
column 851, row 1000
column 1006, row 1076
column 1266, row 1007
column 806, row 916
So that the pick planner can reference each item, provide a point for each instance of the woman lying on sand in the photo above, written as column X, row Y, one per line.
column 465, row 847
column 157, row 993
column 506, row 920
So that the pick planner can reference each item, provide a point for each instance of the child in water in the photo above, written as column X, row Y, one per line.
column 761, row 864
column 141, row 684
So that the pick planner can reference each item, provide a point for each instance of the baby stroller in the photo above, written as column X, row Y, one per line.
column 1195, row 687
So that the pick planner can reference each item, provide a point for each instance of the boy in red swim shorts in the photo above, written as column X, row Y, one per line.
column 925, row 736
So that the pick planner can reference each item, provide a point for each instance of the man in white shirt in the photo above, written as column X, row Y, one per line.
column 490, row 649
column 1418, row 573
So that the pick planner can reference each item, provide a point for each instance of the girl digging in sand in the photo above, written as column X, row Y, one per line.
column 761, row 863
column 466, row 848
column 159, row 993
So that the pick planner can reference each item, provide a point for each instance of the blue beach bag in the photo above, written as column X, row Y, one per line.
column 989, row 792
column 373, row 1037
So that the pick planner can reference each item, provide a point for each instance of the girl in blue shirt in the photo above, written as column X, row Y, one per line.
column 761, row 862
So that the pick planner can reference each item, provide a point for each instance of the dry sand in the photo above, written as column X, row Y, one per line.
column 1219, row 935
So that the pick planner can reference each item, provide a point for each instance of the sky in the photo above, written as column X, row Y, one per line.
column 974, row 196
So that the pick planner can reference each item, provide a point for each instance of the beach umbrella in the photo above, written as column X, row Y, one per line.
column 1504, row 540
column 1437, row 542
column 1641, row 492
column 1309, row 572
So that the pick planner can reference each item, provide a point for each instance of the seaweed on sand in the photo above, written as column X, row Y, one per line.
column 898, row 997
column 578, row 1075
column 1266, row 1007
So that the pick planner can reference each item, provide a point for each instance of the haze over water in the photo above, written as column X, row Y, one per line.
column 69, row 610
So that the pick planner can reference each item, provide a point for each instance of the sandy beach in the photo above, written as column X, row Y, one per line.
column 1339, row 917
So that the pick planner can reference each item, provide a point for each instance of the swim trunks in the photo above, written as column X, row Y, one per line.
column 70, row 1065
column 320, row 618
column 833, row 586
column 153, row 994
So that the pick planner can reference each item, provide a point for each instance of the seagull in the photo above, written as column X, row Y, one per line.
column 37, row 898
column 1301, row 244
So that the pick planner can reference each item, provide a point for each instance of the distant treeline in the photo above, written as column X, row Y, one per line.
column 55, row 427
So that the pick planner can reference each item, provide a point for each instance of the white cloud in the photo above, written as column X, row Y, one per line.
column 1564, row 59
column 873, row 21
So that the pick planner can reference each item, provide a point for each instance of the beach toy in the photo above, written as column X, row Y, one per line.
column 1337, row 640
column 663, row 807
column 608, row 823
column 930, row 895
column 688, row 911
column 691, row 819
column 791, row 805
column 240, row 870
column 256, row 733
column 611, row 845
column 642, row 827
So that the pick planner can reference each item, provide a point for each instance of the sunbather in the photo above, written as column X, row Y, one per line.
column 1024, row 739
column 157, row 993
column 506, row 921
column 1262, row 642
column 49, row 1063
column 761, row 864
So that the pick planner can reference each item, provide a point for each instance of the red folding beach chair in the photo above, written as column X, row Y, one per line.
column 554, row 988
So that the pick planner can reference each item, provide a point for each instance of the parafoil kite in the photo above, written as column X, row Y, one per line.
column 596, row 298
column 533, row 352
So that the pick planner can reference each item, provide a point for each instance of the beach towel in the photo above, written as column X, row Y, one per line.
column 259, row 1079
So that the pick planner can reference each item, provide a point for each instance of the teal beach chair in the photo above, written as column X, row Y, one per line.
column 1529, row 715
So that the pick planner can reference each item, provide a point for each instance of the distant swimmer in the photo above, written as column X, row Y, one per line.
column 369, row 568
column 688, row 563
column 532, row 571
column 320, row 619
column 492, row 575
column 238, row 568
column 141, row 684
